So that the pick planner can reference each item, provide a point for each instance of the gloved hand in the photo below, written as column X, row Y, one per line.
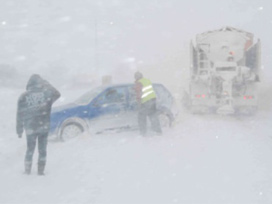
column 19, row 135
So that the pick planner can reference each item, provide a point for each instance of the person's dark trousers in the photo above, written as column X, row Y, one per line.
column 42, row 146
column 148, row 109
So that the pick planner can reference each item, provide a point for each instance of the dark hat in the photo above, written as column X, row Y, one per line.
column 138, row 75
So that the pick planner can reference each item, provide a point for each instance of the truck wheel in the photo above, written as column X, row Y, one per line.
column 251, row 111
column 248, row 111
column 186, row 101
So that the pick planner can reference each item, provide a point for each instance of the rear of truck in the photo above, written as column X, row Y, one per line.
column 224, row 72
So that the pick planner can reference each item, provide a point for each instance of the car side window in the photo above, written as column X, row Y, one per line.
column 114, row 95
column 132, row 95
column 163, row 96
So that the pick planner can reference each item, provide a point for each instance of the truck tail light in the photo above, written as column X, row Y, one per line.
column 248, row 97
column 200, row 95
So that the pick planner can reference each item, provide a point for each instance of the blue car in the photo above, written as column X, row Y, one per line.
column 107, row 108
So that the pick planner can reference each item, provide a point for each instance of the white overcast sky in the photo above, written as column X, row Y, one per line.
column 100, row 34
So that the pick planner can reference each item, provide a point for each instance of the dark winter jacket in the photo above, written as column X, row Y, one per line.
column 34, row 106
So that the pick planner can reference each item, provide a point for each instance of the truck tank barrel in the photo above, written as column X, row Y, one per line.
column 224, row 42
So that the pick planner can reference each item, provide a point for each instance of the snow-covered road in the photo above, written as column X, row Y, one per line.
column 203, row 159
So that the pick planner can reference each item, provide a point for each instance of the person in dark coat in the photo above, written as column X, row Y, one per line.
column 33, row 116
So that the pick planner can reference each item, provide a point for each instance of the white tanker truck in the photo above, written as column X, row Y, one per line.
column 224, row 72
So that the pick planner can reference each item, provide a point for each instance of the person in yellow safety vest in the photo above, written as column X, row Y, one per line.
column 146, row 98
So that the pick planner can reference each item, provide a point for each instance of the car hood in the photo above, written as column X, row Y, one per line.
column 63, row 107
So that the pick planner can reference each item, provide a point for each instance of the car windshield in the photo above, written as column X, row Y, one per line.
column 89, row 96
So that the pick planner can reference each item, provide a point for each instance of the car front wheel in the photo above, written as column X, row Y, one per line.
column 70, row 131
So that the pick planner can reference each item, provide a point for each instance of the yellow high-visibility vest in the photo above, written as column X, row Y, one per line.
column 148, row 92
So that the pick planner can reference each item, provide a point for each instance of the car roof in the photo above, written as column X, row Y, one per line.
column 123, row 84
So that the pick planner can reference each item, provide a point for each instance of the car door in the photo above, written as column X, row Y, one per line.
column 163, row 102
column 110, row 109
column 133, row 107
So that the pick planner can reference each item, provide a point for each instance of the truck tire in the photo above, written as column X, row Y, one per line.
column 249, row 111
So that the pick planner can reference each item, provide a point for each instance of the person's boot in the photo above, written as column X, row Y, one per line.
column 28, row 166
column 41, row 166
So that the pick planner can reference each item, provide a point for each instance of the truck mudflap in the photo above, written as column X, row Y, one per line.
column 200, row 109
column 247, row 110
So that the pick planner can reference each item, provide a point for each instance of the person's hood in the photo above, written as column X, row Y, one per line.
column 34, row 83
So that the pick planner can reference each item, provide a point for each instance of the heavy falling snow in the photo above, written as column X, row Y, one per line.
column 203, row 158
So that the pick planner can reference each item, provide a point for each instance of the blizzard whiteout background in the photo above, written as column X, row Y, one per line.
column 74, row 38
column 203, row 159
